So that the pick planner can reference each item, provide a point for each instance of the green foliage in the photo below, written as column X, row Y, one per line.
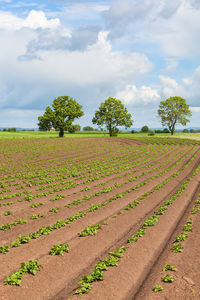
column 181, row 237
column 188, row 226
column 59, row 249
column 30, row 267
column 4, row 249
column 150, row 222
column 145, row 128
column 112, row 113
column 90, row 230
column 168, row 278
column 36, row 204
column 195, row 209
column 151, row 133
column 172, row 111
column 8, row 213
column 88, row 128
column 98, row 272
column 54, row 209
column 157, row 288
column 73, row 128
column 177, row 248
column 169, row 267
column 13, row 279
column 62, row 114
column 5, row 227
column 57, row 197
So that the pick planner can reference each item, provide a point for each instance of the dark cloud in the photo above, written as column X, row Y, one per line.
column 83, row 37
column 48, row 40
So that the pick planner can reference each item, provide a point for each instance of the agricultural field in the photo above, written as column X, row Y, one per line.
column 99, row 218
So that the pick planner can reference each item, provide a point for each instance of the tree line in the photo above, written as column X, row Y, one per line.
column 111, row 113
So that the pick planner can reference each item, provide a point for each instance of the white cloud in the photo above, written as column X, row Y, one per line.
column 195, row 109
column 188, row 89
column 170, row 87
column 122, row 14
column 86, row 10
column 132, row 95
column 34, row 20
column 90, row 75
column 172, row 26
column 179, row 37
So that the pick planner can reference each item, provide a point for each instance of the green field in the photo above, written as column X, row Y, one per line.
column 139, row 135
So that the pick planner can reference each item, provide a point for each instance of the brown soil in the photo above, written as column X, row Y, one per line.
column 141, row 265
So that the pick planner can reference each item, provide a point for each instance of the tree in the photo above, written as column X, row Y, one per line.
column 62, row 114
column 73, row 128
column 88, row 128
column 145, row 128
column 166, row 130
column 112, row 113
column 172, row 111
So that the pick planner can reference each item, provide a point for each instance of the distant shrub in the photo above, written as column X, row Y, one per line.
column 151, row 133
column 88, row 128
column 12, row 129
column 185, row 130
column 166, row 130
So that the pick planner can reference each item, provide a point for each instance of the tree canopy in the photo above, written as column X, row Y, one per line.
column 172, row 111
column 88, row 128
column 62, row 114
column 112, row 113
column 145, row 128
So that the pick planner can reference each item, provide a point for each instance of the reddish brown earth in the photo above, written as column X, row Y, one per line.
column 140, row 268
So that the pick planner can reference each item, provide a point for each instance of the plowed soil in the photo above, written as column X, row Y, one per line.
column 100, row 178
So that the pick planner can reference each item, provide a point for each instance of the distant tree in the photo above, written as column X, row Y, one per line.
column 44, row 122
column 133, row 131
column 112, row 113
column 13, row 129
column 145, row 128
column 172, row 111
column 185, row 130
column 165, row 130
column 192, row 130
column 88, row 128
column 62, row 114
column 73, row 128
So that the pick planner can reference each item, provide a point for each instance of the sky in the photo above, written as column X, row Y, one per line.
column 140, row 52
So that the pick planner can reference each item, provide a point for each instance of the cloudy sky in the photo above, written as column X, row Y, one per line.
column 140, row 52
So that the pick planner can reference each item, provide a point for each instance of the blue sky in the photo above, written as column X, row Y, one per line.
column 140, row 52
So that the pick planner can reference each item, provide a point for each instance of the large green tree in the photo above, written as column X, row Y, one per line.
column 62, row 114
column 112, row 113
column 172, row 111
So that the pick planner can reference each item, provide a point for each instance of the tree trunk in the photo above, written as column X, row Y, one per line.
column 173, row 128
column 61, row 132
column 110, row 130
